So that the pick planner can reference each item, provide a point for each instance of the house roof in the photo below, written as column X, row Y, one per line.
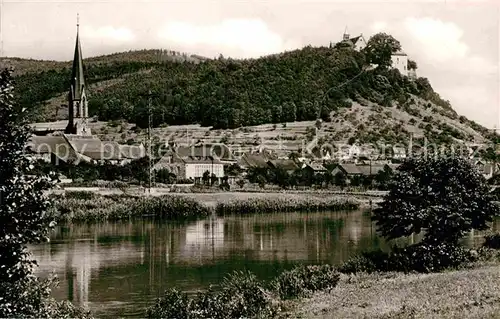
column 132, row 151
column 254, row 160
column 350, row 169
column 286, row 164
column 400, row 53
column 316, row 167
column 203, row 150
column 201, row 160
column 366, row 170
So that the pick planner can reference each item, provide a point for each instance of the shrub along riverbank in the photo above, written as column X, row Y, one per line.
column 276, row 205
column 470, row 289
column 242, row 295
column 90, row 207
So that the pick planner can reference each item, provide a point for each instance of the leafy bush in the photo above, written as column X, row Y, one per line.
column 420, row 257
column 492, row 241
column 369, row 261
column 241, row 296
column 303, row 280
column 173, row 304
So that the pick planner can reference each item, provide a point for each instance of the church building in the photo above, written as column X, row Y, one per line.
column 71, row 141
column 77, row 97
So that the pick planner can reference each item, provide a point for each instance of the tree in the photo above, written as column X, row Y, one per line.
column 261, row 180
column 340, row 180
column 206, row 177
column 213, row 179
column 23, row 212
column 412, row 65
column 445, row 196
column 356, row 180
column 380, row 48
column 224, row 185
column 383, row 177
column 240, row 183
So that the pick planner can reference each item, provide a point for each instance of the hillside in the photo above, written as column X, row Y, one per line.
column 298, row 86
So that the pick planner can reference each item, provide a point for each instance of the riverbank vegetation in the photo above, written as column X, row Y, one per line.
column 277, row 205
column 89, row 207
column 242, row 295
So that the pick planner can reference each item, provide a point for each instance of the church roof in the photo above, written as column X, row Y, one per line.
column 77, row 78
column 94, row 148
column 57, row 145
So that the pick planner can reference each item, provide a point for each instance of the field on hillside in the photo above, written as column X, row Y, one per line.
column 364, row 124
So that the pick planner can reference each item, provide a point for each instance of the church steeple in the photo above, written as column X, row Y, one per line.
column 346, row 34
column 77, row 78
column 77, row 99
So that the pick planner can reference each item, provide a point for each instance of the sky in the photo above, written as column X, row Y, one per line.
column 455, row 43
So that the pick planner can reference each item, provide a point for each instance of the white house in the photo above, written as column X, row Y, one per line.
column 399, row 152
column 196, row 167
column 400, row 62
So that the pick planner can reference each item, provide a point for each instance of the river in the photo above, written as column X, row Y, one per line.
column 118, row 269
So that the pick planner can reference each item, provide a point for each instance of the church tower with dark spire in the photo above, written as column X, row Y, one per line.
column 77, row 97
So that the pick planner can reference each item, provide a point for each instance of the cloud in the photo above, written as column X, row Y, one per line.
column 108, row 33
column 235, row 37
column 379, row 26
column 442, row 40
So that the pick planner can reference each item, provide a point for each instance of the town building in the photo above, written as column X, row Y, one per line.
column 190, row 163
column 315, row 168
column 350, row 170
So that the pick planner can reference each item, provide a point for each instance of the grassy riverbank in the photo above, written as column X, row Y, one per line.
column 87, row 207
column 469, row 293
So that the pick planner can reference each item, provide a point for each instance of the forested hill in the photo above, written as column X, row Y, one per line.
column 299, row 85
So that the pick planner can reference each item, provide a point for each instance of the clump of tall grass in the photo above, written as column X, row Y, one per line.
column 94, row 208
column 303, row 280
column 278, row 205
column 242, row 295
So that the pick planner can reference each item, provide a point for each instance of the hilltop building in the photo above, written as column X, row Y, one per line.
column 357, row 43
column 399, row 59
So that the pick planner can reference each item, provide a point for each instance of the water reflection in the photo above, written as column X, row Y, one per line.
column 117, row 269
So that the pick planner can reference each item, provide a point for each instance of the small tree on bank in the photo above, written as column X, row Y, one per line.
column 446, row 197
